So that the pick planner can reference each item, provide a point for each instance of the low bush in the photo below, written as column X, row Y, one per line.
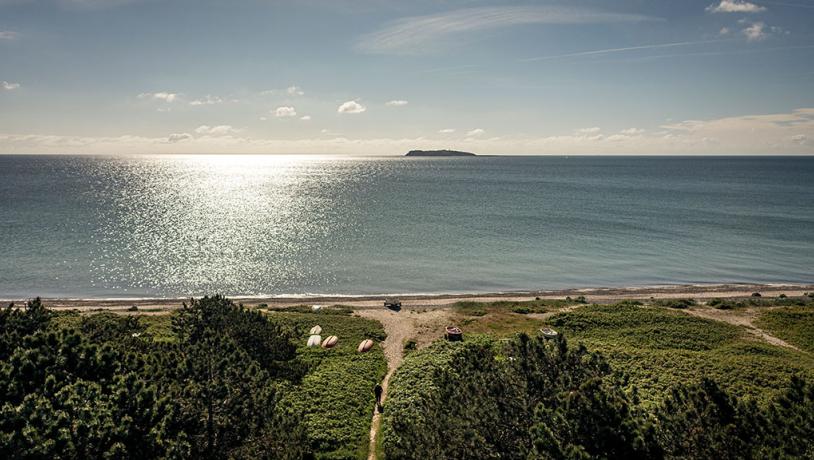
column 679, row 304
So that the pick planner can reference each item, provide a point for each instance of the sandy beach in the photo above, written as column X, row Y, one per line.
column 596, row 295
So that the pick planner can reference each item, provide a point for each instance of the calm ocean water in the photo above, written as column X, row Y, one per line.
column 254, row 225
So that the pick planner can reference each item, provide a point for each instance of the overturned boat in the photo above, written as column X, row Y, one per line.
column 365, row 346
column 453, row 333
column 314, row 340
column 549, row 333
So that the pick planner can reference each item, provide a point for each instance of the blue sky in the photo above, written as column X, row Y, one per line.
column 382, row 77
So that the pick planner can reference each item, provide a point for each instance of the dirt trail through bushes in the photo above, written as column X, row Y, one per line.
column 423, row 328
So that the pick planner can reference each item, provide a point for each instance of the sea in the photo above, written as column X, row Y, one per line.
column 257, row 225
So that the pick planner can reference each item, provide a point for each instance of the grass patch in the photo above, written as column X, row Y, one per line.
column 792, row 324
column 658, row 348
column 340, row 310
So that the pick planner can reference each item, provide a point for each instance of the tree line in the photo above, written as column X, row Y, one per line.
column 104, row 390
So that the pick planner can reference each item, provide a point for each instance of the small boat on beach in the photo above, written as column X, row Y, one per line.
column 330, row 342
column 365, row 346
column 314, row 340
column 453, row 333
column 549, row 333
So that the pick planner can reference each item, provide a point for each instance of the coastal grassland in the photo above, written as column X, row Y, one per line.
column 335, row 397
column 659, row 348
column 654, row 346
column 792, row 324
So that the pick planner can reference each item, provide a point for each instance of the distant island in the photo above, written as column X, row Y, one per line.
column 438, row 153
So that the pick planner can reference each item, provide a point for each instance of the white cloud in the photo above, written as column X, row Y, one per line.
column 632, row 132
column 755, row 32
column 159, row 96
column 179, row 137
column 475, row 132
column 724, row 31
column 8, row 35
column 592, row 130
column 776, row 134
column 294, row 91
column 446, row 131
column 423, row 34
column 207, row 100
column 219, row 130
column 351, row 107
column 735, row 6
column 305, row 118
column 396, row 103
column 285, row 111
column 8, row 86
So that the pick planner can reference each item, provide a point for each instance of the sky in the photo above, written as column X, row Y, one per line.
column 381, row 77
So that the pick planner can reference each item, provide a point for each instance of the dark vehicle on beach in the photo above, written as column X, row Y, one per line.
column 392, row 303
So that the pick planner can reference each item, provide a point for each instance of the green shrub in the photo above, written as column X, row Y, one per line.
column 679, row 304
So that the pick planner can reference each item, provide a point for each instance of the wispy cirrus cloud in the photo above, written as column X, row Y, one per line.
column 735, row 6
column 9, row 86
column 8, row 35
column 619, row 50
column 423, row 34
column 396, row 103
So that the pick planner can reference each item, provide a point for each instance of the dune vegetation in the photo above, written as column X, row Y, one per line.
column 215, row 379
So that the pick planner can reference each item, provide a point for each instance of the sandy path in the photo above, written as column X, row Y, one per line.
column 423, row 327
column 740, row 317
